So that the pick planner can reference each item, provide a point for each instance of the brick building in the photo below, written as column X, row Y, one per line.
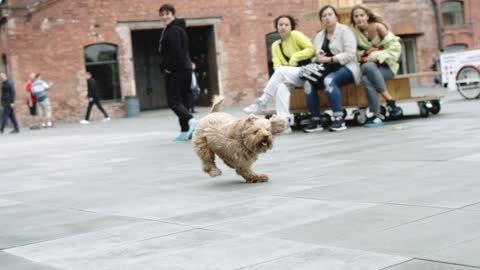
column 117, row 41
column 460, row 24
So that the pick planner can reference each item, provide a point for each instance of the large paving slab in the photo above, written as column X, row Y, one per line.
column 429, row 265
column 124, row 195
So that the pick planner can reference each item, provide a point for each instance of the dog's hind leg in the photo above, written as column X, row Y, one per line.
column 207, row 157
column 251, row 176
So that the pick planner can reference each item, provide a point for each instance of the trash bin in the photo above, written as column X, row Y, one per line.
column 132, row 106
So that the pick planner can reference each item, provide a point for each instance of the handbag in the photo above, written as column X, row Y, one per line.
column 300, row 63
column 312, row 72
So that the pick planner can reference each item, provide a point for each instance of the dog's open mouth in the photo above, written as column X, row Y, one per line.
column 265, row 142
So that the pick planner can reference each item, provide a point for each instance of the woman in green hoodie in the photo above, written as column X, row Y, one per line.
column 378, row 51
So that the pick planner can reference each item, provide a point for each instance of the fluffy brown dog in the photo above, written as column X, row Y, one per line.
column 237, row 141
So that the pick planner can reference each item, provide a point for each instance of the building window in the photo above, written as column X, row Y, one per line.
column 408, row 58
column 456, row 47
column 101, row 61
column 452, row 13
column 270, row 38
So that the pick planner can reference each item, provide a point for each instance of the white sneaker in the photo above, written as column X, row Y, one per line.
column 84, row 121
column 254, row 108
column 287, row 131
column 106, row 119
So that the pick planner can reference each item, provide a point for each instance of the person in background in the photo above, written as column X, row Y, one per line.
column 194, row 88
column 378, row 53
column 335, row 46
column 93, row 98
column 32, row 101
column 292, row 48
column 39, row 90
column 437, row 79
column 8, row 103
column 176, row 64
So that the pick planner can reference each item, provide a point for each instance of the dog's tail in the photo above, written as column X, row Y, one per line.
column 217, row 104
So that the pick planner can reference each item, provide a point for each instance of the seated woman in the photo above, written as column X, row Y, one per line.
column 378, row 53
column 287, row 52
column 335, row 47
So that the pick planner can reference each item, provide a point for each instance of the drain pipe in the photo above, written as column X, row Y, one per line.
column 439, row 26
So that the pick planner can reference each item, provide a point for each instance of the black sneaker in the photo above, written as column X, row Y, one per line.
column 338, row 124
column 16, row 130
column 314, row 126
column 394, row 110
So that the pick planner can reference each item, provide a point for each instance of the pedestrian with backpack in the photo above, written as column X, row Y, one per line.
column 39, row 90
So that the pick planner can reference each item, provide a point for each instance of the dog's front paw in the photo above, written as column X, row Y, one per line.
column 257, row 178
column 214, row 172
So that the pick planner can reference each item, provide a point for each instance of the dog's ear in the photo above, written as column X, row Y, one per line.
column 251, row 118
column 278, row 124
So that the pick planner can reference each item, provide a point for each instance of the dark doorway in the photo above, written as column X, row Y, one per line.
column 149, row 81
column 203, row 54
column 148, row 78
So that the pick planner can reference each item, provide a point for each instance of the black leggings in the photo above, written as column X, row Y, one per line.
column 179, row 95
column 8, row 112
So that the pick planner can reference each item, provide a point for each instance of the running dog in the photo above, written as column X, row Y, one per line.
column 237, row 141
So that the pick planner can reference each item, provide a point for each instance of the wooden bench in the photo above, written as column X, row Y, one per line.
column 354, row 97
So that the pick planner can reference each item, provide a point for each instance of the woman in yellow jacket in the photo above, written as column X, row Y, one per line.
column 378, row 51
column 292, row 48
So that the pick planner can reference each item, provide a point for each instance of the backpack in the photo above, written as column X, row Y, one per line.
column 39, row 87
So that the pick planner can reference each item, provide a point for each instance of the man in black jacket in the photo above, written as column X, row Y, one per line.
column 93, row 98
column 175, row 63
column 8, row 103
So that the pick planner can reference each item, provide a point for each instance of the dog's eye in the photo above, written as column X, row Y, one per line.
column 256, row 131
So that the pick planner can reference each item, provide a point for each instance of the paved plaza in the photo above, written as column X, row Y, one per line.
column 123, row 195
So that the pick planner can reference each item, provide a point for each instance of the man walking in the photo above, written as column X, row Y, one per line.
column 175, row 63
column 93, row 99
column 8, row 103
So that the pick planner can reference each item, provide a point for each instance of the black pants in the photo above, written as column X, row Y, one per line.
column 95, row 101
column 8, row 112
column 179, row 95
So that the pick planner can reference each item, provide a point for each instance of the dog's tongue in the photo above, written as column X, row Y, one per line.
column 264, row 143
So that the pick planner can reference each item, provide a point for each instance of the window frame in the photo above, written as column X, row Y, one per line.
column 111, row 65
column 455, row 16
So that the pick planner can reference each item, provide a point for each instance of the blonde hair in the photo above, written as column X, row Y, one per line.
column 372, row 17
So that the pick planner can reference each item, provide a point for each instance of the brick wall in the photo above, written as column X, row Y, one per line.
column 468, row 33
column 53, row 41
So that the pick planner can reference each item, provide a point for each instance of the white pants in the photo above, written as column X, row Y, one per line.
column 280, row 86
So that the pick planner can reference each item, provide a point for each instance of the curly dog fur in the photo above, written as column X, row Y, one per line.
column 237, row 141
